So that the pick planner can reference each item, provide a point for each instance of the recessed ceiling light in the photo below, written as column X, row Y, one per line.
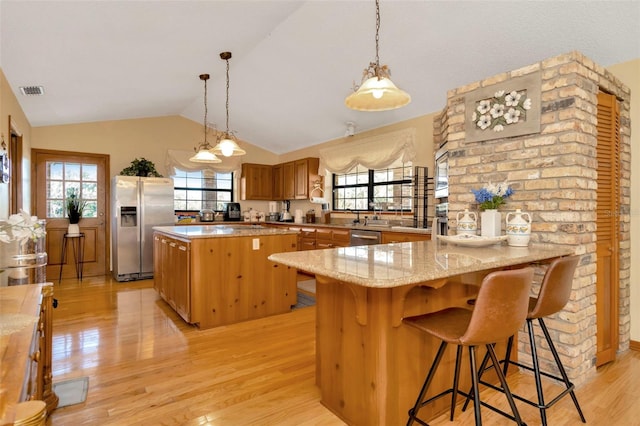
column 32, row 90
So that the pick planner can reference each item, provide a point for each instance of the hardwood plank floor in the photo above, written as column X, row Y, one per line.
column 147, row 367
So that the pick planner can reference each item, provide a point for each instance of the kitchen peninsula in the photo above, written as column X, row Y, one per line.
column 369, row 366
column 214, row 275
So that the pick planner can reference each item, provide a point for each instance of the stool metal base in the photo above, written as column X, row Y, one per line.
column 454, row 391
column 540, row 404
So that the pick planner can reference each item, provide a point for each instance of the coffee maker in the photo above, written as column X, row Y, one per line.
column 286, row 216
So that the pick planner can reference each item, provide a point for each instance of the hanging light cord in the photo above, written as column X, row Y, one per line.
column 227, row 104
column 377, row 35
column 205, row 109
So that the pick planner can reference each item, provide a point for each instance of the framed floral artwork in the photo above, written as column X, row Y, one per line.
column 502, row 110
column 4, row 167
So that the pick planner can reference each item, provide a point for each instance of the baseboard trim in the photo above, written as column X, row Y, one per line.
column 634, row 346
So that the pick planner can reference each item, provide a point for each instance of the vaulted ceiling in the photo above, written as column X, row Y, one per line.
column 293, row 61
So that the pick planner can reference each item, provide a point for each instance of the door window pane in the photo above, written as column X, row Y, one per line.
column 63, row 177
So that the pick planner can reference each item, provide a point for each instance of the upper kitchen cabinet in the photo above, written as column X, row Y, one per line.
column 288, row 181
column 278, row 182
column 298, row 178
column 256, row 182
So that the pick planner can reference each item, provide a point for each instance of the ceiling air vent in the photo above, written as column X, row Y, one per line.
column 32, row 90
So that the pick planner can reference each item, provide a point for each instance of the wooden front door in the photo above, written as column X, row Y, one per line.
column 608, row 229
column 55, row 173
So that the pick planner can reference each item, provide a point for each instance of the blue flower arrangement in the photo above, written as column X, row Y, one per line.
column 492, row 196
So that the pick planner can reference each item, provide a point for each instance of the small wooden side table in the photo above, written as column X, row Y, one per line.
column 77, row 244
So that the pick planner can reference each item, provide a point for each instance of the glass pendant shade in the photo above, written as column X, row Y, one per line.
column 205, row 156
column 228, row 147
column 377, row 94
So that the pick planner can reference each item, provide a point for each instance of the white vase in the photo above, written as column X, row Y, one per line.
column 490, row 223
column 467, row 223
column 73, row 229
column 518, row 228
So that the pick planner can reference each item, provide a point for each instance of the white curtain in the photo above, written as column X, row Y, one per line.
column 178, row 159
column 375, row 152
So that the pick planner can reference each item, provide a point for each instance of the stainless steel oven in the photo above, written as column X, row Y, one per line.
column 441, row 219
column 441, row 178
column 361, row 237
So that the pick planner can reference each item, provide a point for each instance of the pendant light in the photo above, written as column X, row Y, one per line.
column 377, row 92
column 203, row 151
column 227, row 145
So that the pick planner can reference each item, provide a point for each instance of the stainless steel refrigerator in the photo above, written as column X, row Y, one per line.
column 138, row 204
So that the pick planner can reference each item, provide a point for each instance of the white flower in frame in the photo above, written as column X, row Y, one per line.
column 498, row 128
column 513, row 98
column 497, row 110
column 484, row 106
column 474, row 116
column 527, row 104
column 512, row 116
column 484, row 122
column 499, row 94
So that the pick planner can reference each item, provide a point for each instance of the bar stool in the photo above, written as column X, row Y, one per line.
column 500, row 310
column 554, row 295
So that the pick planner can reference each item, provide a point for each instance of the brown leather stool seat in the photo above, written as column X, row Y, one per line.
column 500, row 310
column 554, row 295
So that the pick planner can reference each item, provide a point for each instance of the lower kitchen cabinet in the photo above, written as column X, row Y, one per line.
column 171, row 273
column 332, row 237
column 403, row 237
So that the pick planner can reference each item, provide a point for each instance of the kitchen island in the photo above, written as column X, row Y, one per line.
column 213, row 275
column 369, row 366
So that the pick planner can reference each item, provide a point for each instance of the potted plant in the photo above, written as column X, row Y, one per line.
column 141, row 167
column 75, row 208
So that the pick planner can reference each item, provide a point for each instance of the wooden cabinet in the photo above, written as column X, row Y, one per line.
column 278, row 182
column 222, row 280
column 307, row 239
column 25, row 354
column 332, row 237
column 256, row 182
column 298, row 178
column 288, row 181
column 403, row 237
column 171, row 273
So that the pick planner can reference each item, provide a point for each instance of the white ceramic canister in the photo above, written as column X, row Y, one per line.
column 467, row 223
column 518, row 228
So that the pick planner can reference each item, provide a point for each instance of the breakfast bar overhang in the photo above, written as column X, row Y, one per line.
column 369, row 366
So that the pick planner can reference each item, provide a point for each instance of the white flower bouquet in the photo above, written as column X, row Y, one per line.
column 21, row 226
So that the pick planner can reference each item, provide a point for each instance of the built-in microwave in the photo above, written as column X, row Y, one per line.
column 441, row 178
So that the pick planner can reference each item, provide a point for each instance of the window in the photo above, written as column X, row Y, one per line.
column 202, row 189
column 63, row 177
column 388, row 189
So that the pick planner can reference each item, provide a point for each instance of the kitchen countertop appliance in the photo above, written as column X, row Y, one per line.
column 286, row 216
column 232, row 212
column 138, row 204
column 207, row 215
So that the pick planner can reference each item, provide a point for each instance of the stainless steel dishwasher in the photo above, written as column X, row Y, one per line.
column 361, row 237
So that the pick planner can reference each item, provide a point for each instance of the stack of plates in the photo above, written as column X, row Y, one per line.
column 31, row 413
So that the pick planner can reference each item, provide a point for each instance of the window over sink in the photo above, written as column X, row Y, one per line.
column 362, row 189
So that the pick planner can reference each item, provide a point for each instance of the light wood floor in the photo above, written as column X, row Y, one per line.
column 147, row 367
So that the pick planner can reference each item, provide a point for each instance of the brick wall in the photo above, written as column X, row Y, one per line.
column 553, row 173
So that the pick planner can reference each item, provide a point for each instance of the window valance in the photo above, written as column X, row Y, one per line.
column 375, row 152
column 178, row 159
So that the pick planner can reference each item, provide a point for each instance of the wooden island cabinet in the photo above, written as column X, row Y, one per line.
column 369, row 365
column 219, row 274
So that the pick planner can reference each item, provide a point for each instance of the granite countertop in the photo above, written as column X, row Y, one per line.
column 214, row 231
column 394, row 265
